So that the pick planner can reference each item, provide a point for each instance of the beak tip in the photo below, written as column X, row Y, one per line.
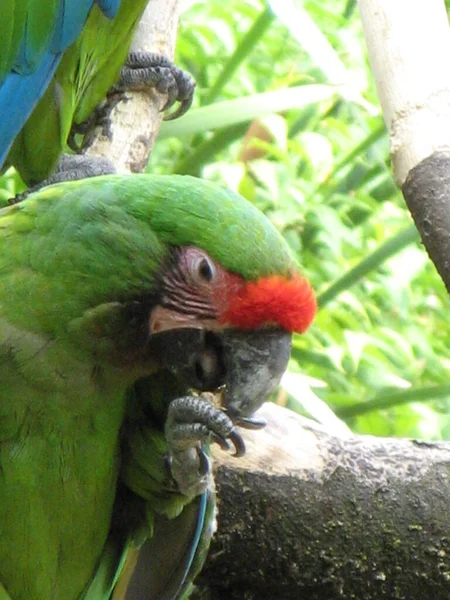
column 257, row 361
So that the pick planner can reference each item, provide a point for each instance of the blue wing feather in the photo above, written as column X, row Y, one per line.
column 34, row 68
column 18, row 95
column 109, row 7
column 72, row 17
column 184, row 579
column 69, row 23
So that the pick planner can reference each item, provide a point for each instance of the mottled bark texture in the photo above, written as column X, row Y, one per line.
column 427, row 194
column 309, row 515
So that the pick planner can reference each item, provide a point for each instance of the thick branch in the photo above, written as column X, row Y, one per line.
column 408, row 44
column 135, row 123
column 427, row 193
column 309, row 515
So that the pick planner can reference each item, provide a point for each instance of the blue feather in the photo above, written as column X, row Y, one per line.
column 109, row 7
column 34, row 68
column 184, row 579
column 163, row 570
column 18, row 96
column 69, row 23
column 72, row 17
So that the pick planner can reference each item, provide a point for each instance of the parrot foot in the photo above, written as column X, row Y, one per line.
column 192, row 422
column 144, row 70
column 71, row 168
column 99, row 118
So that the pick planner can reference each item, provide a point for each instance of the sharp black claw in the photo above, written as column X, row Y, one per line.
column 250, row 422
column 218, row 439
column 143, row 70
column 238, row 443
column 182, row 109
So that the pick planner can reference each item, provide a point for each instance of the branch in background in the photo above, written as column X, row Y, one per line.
column 427, row 193
column 306, row 514
column 409, row 46
column 135, row 123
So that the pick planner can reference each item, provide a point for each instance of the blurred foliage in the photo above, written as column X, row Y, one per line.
column 379, row 351
column 287, row 114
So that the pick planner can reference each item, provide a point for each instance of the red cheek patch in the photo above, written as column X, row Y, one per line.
column 288, row 303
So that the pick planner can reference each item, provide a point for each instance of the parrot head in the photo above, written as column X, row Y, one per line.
column 167, row 270
column 218, row 330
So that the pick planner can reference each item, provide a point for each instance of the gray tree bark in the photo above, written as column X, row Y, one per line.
column 408, row 44
column 306, row 514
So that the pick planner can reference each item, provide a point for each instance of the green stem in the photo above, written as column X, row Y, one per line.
column 394, row 399
column 193, row 163
column 349, row 158
column 244, row 48
column 392, row 246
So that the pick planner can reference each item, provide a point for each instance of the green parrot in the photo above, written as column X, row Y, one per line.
column 141, row 319
column 58, row 61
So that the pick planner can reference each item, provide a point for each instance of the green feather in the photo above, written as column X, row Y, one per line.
column 88, row 69
column 111, row 233
column 78, row 391
column 12, row 17
column 40, row 17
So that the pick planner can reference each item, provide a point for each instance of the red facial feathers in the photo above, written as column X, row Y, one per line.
column 197, row 289
column 275, row 300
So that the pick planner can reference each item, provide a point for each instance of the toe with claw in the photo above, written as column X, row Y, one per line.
column 142, row 70
column 149, row 70
column 192, row 423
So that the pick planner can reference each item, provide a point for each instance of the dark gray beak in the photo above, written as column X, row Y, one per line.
column 254, row 364
column 246, row 365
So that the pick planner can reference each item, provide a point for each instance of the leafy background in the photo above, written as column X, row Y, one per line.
column 286, row 113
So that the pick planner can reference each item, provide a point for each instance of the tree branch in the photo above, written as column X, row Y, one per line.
column 135, row 123
column 306, row 514
column 409, row 44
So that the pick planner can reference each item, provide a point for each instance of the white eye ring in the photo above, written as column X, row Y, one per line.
column 204, row 269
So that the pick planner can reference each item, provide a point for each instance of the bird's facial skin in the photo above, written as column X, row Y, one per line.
column 195, row 291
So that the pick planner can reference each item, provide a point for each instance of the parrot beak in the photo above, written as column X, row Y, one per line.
column 246, row 366
column 254, row 363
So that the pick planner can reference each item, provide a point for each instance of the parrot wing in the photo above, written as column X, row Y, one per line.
column 159, row 538
column 37, row 33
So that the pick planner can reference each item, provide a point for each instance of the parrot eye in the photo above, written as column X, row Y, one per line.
column 197, row 266
column 203, row 269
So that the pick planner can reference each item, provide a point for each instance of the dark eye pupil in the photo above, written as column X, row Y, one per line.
column 205, row 270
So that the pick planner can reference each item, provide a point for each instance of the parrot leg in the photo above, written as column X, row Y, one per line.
column 99, row 118
column 191, row 422
column 71, row 167
column 142, row 70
